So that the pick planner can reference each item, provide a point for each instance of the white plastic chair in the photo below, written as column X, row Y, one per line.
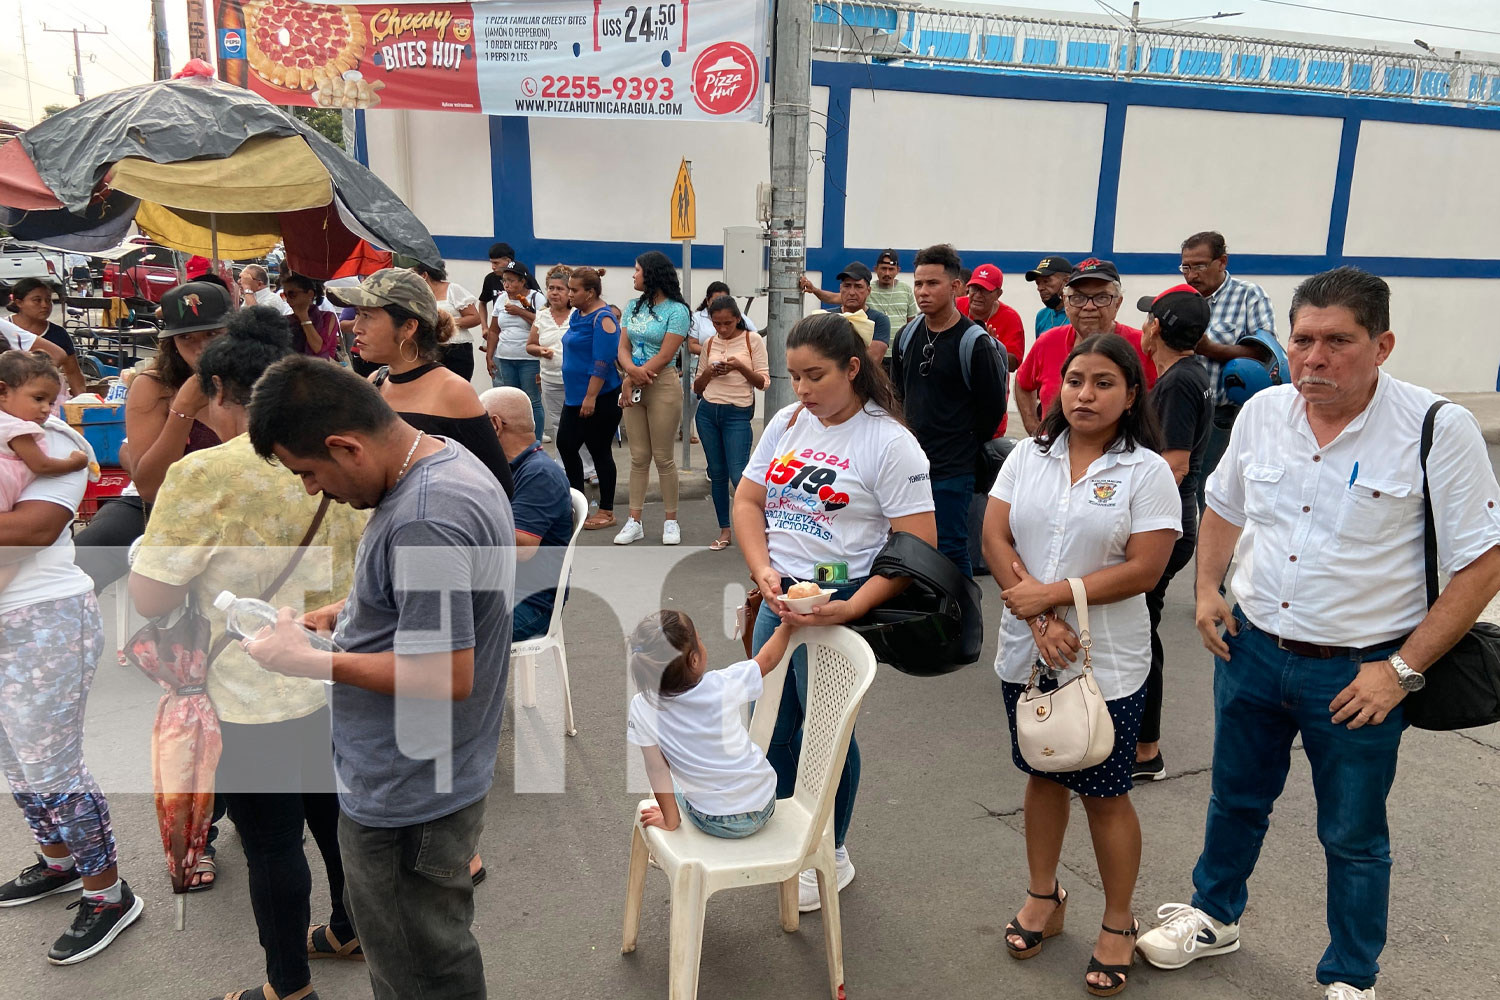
column 799, row 835
column 523, row 655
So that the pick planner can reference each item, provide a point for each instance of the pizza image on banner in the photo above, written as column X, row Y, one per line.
column 302, row 46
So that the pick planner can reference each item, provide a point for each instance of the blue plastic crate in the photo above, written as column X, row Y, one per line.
column 102, row 426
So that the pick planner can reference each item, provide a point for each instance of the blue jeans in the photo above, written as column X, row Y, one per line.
column 951, row 499
column 725, row 432
column 1263, row 697
column 731, row 827
column 524, row 375
column 786, row 739
column 529, row 621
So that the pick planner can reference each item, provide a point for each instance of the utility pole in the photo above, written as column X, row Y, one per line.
column 1135, row 28
column 77, row 53
column 161, row 68
column 197, row 26
column 791, row 95
column 26, row 65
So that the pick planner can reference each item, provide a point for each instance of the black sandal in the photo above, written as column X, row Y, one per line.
column 1114, row 973
column 1032, row 940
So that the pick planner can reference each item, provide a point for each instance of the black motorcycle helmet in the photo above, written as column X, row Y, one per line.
column 934, row 626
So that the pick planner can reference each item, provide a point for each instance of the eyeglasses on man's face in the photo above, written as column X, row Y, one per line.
column 1196, row 267
column 1078, row 300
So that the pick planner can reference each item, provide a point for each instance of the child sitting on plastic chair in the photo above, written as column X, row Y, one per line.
column 687, row 721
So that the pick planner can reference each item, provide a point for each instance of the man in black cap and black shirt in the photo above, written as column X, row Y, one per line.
column 1183, row 400
column 1050, row 277
column 951, row 375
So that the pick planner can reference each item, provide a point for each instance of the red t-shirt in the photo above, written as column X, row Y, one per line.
column 1005, row 325
column 1041, row 372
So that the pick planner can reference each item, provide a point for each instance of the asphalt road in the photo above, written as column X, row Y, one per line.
column 936, row 841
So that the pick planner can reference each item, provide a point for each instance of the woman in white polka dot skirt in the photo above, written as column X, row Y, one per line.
column 1087, row 497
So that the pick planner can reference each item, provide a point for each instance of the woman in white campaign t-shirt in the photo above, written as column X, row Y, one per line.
column 1087, row 497
column 832, row 477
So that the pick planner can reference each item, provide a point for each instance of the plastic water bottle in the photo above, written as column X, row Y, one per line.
column 246, row 616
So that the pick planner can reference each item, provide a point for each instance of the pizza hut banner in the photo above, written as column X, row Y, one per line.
column 685, row 60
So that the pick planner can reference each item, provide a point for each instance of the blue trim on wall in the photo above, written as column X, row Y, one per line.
column 510, row 184
column 514, row 220
column 1343, row 186
column 361, row 140
column 1108, row 201
column 835, row 169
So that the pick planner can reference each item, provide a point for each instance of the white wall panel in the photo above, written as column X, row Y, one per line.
column 935, row 168
column 449, row 167
column 599, row 180
column 1424, row 191
column 1438, row 343
column 1265, row 181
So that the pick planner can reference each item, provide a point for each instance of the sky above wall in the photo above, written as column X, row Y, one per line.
column 123, row 56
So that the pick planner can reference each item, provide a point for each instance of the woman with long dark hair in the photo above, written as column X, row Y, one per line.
column 841, row 461
column 229, row 520
column 734, row 367
column 655, row 324
column 315, row 330
column 162, row 410
column 1087, row 497
column 31, row 302
column 398, row 326
column 458, row 302
column 591, row 397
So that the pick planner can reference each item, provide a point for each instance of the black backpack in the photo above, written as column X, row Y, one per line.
column 934, row 626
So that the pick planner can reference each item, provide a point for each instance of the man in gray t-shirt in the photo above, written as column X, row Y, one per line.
column 419, row 686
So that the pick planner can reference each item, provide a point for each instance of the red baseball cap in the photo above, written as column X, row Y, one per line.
column 197, row 267
column 988, row 276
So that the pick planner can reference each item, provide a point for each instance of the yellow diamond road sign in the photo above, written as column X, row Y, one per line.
column 684, row 206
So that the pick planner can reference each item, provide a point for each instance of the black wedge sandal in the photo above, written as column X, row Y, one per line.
column 1114, row 973
column 1032, row 940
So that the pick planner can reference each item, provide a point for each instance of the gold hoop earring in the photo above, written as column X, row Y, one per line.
column 416, row 355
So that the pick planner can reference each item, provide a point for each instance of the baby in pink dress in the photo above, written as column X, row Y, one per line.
column 29, row 385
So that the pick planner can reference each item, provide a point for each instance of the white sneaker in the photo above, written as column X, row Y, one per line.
column 1343, row 991
column 546, row 439
column 671, row 533
column 632, row 532
column 807, row 883
column 1185, row 934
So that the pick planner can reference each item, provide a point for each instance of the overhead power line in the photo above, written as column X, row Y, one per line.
column 1380, row 17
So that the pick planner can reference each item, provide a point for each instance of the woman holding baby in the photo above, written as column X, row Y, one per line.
column 834, row 474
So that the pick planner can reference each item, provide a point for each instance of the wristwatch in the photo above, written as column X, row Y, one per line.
column 1409, row 679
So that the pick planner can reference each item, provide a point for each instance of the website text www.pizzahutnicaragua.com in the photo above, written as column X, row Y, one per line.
column 555, row 107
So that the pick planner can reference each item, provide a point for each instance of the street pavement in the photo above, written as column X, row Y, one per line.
column 936, row 840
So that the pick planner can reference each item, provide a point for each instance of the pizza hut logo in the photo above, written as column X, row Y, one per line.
column 726, row 78
column 462, row 30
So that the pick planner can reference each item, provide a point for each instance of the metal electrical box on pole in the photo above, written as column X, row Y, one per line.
column 791, row 97
column 685, row 228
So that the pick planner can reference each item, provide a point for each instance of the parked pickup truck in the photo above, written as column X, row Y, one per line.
column 147, row 273
column 17, row 262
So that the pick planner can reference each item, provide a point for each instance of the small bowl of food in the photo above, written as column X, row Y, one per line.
column 803, row 597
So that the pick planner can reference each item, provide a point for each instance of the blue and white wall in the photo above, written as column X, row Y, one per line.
column 1010, row 167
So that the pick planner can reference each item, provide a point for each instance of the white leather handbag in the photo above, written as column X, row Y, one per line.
column 1067, row 729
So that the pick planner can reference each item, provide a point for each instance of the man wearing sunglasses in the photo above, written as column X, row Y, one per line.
column 1092, row 299
column 953, row 389
column 1239, row 309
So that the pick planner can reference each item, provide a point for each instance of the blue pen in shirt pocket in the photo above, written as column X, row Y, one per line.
column 1354, row 475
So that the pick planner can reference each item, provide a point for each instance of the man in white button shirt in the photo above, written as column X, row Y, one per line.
column 1321, row 487
column 257, row 292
